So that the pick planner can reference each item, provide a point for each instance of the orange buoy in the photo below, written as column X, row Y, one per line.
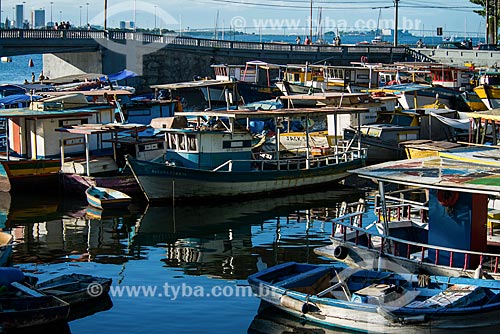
column 30, row 63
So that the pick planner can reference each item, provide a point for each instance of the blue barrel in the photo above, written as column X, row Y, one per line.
column 9, row 275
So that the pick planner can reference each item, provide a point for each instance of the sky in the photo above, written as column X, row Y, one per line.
column 270, row 16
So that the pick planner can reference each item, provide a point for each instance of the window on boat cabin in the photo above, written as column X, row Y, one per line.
column 402, row 120
column 182, row 142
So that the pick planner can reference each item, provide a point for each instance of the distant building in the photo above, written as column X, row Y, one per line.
column 39, row 18
column 19, row 16
column 127, row 25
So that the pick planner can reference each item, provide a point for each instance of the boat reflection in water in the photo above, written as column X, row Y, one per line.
column 270, row 320
column 54, row 230
column 199, row 246
column 221, row 240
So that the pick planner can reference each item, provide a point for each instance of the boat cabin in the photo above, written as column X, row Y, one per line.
column 31, row 131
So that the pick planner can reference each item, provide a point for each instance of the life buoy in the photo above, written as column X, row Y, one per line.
column 364, row 59
column 447, row 197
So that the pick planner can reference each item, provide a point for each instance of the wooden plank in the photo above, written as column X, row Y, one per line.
column 27, row 290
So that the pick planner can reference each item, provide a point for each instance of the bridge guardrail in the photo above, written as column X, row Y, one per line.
column 87, row 35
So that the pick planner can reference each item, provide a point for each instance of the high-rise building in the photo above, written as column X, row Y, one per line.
column 127, row 25
column 19, row 16
column 39, row 18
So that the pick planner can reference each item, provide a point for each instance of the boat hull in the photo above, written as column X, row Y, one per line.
column 161, row 182
column 76, row 183
column 103, row 198
column 29, row 174
column 32, row 311
column 490, row 95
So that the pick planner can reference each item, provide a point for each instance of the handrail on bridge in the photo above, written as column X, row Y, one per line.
column 84, row 34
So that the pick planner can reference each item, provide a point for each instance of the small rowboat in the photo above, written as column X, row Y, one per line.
column 75, row 288
column 103, row 198
column 380, row 302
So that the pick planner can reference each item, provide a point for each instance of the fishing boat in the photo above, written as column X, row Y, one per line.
column 488, row 89
column 214, row 158
column 32, row 156
column 377, row 301
column 106, row 167
column 75, row 288
column 6, row 240
column 444, row 223
column 384, row 136
column 103, row 198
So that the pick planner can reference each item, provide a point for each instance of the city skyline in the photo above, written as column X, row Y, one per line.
column 273, row 17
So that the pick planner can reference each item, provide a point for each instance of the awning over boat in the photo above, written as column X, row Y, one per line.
column 17, row 98
column 122, row 75
column 448, row 173
column 102, row 128
column 74, row 78
column 462, row 124
column 28, row 113
column 402, row 88
column 493, row 115
column 265, row 114
column 194, row 84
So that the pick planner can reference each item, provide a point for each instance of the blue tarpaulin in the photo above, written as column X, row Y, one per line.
column 125, row 74
column 16, row 98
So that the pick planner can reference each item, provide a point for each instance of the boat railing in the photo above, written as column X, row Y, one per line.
column 297, row 163
column 405, row 249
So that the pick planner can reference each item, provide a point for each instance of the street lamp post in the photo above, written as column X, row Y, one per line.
column 87, row 12
column 105, row 14
column 51, row 5
column 81, row 16
column 135, row 15
column 60, row 16
column 155, row 17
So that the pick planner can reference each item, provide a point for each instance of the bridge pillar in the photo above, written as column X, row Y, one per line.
column 63, row 64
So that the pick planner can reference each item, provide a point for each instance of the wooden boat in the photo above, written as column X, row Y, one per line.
column 445, row 229
column 488, row 89
column 384, row 136
column 6, row 240
column 107, row 171
column 31, row 311
column 214, row 159
column 75, row 288
column 379, row 302
column 422, row 148
column 103, row 198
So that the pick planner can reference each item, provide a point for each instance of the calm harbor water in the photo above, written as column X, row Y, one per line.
column 174, row 269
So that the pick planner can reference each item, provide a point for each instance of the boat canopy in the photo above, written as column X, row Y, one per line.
column 17, row 98
column 193, row 84
column 122, row 75
column 438, row 173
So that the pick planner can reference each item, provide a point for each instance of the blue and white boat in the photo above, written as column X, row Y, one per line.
column 215, row 158
column 380, row 302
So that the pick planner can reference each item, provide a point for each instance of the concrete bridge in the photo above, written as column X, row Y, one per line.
column 170, row 58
